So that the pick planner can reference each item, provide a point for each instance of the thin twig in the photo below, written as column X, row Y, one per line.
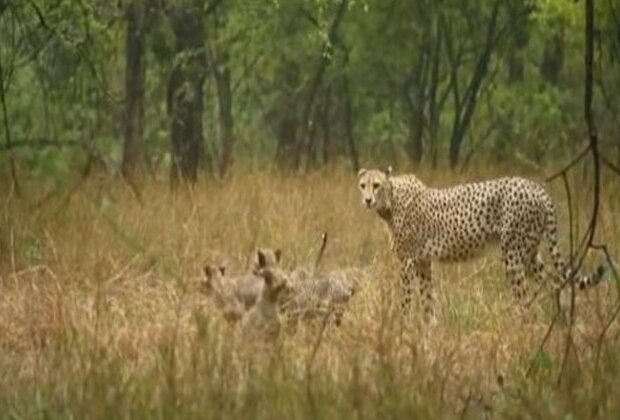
column 587, row 240
column 593, row 147
column 570, row 165
column 601, row 337
column 543, row 342
column 319, row 340
column 615, row 312
column 610, row 165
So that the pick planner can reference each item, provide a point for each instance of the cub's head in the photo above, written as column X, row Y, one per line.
column 213, row 277
column 375, row 187
column 265, row 257
column 276, row 280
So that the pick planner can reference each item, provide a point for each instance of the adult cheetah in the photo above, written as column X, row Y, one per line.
column 456, row 223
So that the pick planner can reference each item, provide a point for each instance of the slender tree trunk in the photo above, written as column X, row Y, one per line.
column 325, row 123
column 553, row 59
column 434, row 108
column 286, row 114
column 316, row 80
column 226, row 121
column 434, row 105
column 515, row 66
column 135, row 72
column 286, row 132
column 465, row 111
column 348, row 126
column 7, row 128
column 416, row 131
column 312, row 137
column 220, row 64
column 185, row 95
column 518, row 33
column 415, row 102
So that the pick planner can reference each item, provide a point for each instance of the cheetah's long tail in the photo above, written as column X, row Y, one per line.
column 582, row 281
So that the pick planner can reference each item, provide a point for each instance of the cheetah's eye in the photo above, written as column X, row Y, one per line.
column 376, row 185
column 362, row 185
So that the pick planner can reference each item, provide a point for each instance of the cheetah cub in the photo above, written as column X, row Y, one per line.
column 214, row 286
column 213, row 277
column 263, row 319
column 316, row 293
column 243, row 289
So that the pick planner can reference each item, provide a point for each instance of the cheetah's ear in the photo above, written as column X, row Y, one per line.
column 388, row 171
column 361, row 172
column 278, row 255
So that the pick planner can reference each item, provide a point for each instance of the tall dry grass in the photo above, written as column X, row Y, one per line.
column 100, row 316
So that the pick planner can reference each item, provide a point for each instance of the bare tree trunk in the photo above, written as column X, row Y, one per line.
column 348, row 125
column 316, row 80
column 312, row 136
column 219, row 61
column 286, row 114
column 434, row 105
column 553, row 59
column 185, row 95
column 518, row 33
column 226, row 121
column 465, row 109
column 135, row 72
column 416, row 131
column 287, row 138
column 415, row 106
column 7, row 130
column 325, row 123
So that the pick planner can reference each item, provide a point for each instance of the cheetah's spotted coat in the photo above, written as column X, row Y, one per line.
column 457, row 223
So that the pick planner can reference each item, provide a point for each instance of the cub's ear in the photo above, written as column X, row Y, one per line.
column 261, row 258
column 208, row 270
column 361, row 172
column 388, row 171
column 278, row 254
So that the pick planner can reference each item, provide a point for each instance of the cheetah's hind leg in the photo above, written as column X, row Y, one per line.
column 515, row 276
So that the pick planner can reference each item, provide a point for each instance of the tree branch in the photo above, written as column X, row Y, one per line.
column 593, row 148
column 20, row 144
column 315, row 82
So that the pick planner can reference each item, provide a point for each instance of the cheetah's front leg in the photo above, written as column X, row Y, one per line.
column 420, row 271
column 406, row 280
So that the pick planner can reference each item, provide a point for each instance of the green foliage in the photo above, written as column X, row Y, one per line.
column 66, row 62
column 542, row 361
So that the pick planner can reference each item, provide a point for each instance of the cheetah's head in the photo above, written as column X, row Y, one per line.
column 376, row 189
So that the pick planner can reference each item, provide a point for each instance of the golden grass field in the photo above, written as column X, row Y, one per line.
column 100, row 316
